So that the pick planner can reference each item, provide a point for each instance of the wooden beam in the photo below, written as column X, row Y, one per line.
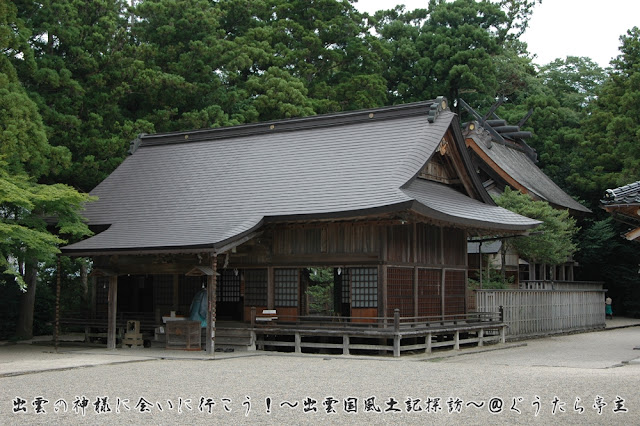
column 212, row 281
column 471, row 143
column 112, row 311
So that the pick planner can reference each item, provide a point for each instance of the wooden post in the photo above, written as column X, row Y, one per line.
column 481, row 337
column 298, row 340
column 396, row 330
column 113, row 308
column 56, row 331
column 416, row 308
column 345, row 344
column 212, row 282
column 271, row 288
column 427, row 343
column 396, row 345
column 456, row 341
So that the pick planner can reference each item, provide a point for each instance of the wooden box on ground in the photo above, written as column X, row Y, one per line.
column 183, row 335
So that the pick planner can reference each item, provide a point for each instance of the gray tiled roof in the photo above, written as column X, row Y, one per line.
column 216, row 185
column 523, row 170
column 488, row 247
column 624, row 195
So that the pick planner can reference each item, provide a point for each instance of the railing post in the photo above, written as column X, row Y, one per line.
column 456, row 341
column 253, row 316
column 396, row 345
column 345, row 344
column 396, row 329
column 481, row 337
column 298, row 343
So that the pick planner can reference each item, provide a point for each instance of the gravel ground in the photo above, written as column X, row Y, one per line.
column 577, row 371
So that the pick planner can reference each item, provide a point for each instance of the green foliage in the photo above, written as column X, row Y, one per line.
column 450, row 48
column 554, row 244
column 491, row 279
column 609, row 157
column 320, row 293
column 26, row 211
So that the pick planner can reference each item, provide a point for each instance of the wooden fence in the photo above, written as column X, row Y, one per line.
column 537, row 312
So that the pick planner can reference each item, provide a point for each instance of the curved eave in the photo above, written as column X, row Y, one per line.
column 472, row 223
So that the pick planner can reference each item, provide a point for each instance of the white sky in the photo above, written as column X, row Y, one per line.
column 560, row 28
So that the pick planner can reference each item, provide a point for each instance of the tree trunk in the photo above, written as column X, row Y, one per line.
column 24, row 327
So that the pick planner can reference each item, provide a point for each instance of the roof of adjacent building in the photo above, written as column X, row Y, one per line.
column 205, row 188
column 520, row 167
column 623, row 204
column 624, row 195
column 502, row 147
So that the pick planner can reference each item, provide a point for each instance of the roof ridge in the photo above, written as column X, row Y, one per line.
column 286, row 125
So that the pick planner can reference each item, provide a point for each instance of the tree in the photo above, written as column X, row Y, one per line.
column 450, row 48
column 610, row 155
column 27, row 212
column 554, row 244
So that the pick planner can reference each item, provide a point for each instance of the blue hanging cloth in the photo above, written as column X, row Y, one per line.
column 198, row 309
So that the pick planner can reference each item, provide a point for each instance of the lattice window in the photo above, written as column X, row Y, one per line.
column 364, row 287
column 346, row 289
column 454, row 292
column 228, row 289
column 255, row 287
column 163, row 289
column 429, row 292
column 400, row 291
column 286, row 287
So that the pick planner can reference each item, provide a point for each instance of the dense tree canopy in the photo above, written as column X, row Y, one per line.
column 79, row 79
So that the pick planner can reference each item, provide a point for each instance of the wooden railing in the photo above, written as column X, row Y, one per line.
column 560, row 285
column 386, row 334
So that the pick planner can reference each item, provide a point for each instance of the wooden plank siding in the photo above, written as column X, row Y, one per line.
column 539, row 312
column 421, row 268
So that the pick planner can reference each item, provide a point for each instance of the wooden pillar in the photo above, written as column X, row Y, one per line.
column 113, row 308
column 56, row 331
column 415, row 292
column 382, row 286
column 442, row 292
column 271, row 288
column 212, row 282
column 443, row 273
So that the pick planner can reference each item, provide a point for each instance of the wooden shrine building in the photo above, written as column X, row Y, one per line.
column 501, row 157
column 623, row 204
column 386, row 197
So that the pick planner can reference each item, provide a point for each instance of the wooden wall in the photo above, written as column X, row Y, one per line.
column 421, row 267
